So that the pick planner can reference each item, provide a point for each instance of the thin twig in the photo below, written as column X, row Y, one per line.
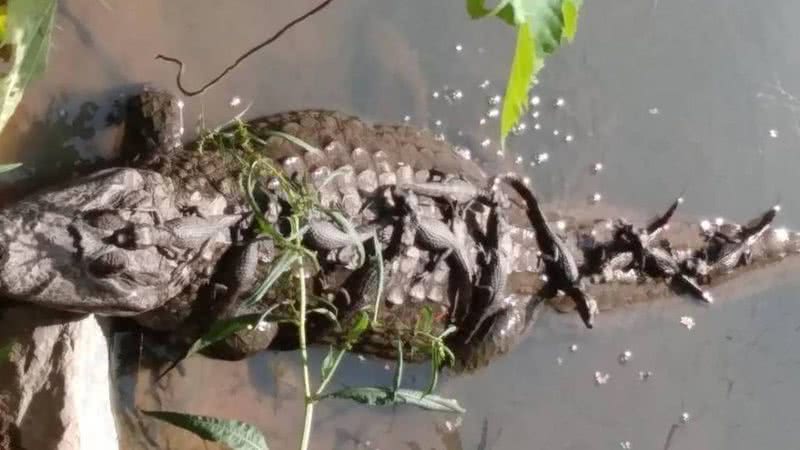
column 192, row 93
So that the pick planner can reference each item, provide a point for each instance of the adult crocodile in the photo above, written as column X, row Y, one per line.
column 155, row 237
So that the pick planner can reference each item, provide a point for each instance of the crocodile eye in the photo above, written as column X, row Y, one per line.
column 108, row 264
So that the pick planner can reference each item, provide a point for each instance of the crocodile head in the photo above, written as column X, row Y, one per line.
column 153, row 126
column 57, row 249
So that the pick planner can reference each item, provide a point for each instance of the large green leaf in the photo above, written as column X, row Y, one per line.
column 27, row 39
column 233, row 433
column 542, row 25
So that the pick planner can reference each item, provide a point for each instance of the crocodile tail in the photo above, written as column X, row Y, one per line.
column 760, row 223
column 661, row 221
column 534, row 211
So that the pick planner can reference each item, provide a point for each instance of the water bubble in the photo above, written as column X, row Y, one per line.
column 773, row 133
column 262, row 326
column 459, row 48
column 500, row 153
column 485, row 84
column 180, row 104
column 494, row 100
column 685, row 417
column 493, row 113
column 601, row 378
column 518, row 160
column 542, row 157
column 482, row 121
column 573, row 348
column 719, row 221
column 568, row 138
column 519, row 129
column 543, row 277
column 453, row 95
column 537, row 126
column 688, row 322
column 626, row 445
column 435, row 94
column 481, row 50
column 235, row 101
column 526, row 181
column 644, row 375
column 597, row 168
column 486, row 142
column 535, row 100
column 653, row 111
column 437, row 123
column 556, row 132
column 440, row 137
column 560, row 361
column 560, row 102
column 596, row 197
column 406, row 119
column 625, row 356
column 535, row 114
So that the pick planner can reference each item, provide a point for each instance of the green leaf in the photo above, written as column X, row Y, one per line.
column 358, row 328
column 27, row 31
column 284, row 263
column 5, row 352
column 519, row 80
column 233, row 433
column 327, row 363
column 382, row 396
column 9, row 167
column 327, row 313
column 569, row 10
column 222, row 329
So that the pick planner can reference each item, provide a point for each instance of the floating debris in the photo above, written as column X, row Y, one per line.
column 437, row 123
column 625, row 356
column 560, row 102
column 435, row 94
column 494, row 100
column 654, row 111
column 601, row 378
column 235, row 101
column 560, row 361
column 518, row 160
column 645, row 375
column 705, row 225
column 625, row 445
column 464, row 152
column 719, row 221
column 486, row 142
column 568, row 138
column 493, row 113
column 780, row 235
column 537, row 126
column 542, row 157
column 535, row 100
column 459, row 48
column 535, row 114
column 544, row 278
column 180, row 104
column 596, row 198
column 573, row 348
column 773, row 133
column 406, row 119
column 688, row 322
column 501, row 153
column 526, row 181
column 685, row 417
column 485, row 84
column 597, row 168
column 556, row 132
column 440, row 137
column 482, row 121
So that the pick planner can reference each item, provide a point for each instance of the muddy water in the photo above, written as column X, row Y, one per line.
column 668, row 96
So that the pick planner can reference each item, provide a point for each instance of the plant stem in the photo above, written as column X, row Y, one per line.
column 308, row 399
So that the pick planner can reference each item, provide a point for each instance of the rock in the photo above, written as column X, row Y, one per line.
column 55, row 391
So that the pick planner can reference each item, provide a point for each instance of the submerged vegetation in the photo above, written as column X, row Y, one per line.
column 293, row 265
